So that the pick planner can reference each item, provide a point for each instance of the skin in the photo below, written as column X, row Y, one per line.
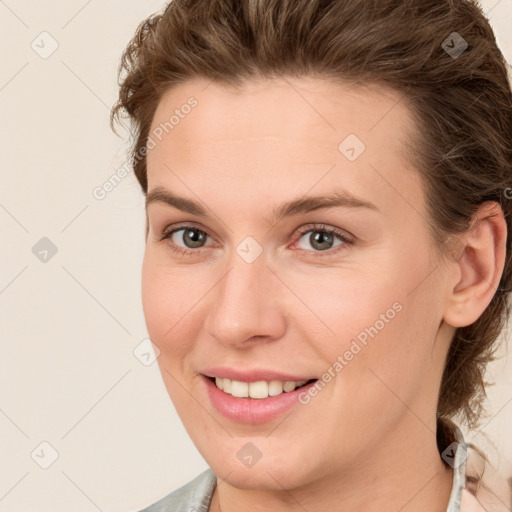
column 369, row 436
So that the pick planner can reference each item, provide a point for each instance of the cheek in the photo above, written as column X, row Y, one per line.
column 169, row 319
column 381, row 316
column 340, row 305
column 175, row 302
column 156, row 300
column 164, row 302
column 396, row 358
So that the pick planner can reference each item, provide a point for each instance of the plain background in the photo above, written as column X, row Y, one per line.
column 71, row 321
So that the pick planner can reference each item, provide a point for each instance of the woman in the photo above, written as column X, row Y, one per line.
column 327, row 261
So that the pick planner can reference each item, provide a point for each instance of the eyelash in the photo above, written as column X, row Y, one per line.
column 166, row 234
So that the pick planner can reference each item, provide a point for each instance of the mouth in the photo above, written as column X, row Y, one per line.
column 255, row 395
column 258, row 390
column 261, row 401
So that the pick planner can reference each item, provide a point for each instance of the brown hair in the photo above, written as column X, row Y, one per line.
column 461, row 103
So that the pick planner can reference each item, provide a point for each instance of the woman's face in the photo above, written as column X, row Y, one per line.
column 260, row 282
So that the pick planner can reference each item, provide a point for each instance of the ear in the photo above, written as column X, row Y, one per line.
column 479, row 266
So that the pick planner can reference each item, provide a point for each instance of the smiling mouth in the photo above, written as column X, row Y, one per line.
column 259, row 389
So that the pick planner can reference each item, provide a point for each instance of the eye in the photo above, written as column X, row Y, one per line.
column 189, row 239
column 322, row 238
column 191, row 236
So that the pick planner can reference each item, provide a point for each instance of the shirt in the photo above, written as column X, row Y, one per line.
column 196, row 495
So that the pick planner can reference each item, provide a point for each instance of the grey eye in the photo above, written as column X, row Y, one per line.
column 191, row 237
column 319, row 239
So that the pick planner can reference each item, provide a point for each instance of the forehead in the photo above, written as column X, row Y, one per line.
column 309, row 108
column 283, row 134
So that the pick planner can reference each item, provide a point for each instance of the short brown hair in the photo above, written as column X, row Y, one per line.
column 460, row 98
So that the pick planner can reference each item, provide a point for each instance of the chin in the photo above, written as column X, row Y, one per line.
column 259, row 477
column 266, row 473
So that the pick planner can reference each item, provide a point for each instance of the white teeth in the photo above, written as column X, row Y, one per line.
column 275, row 387
column 259, row 389
column 239, row 389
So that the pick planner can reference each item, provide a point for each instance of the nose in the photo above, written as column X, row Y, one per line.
column 246, row 305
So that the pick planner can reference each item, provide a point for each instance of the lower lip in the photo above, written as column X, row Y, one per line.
column 253, row 410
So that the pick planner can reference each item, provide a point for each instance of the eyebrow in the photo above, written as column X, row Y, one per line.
column 336, row 198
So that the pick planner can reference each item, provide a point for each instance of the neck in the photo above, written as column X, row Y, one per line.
column 402, row 472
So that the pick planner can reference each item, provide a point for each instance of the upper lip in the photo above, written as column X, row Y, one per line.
column 254, row 375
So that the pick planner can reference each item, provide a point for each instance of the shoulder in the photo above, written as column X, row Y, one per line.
column 194, row 496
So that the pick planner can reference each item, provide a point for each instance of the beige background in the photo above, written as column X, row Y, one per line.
column 69, row 326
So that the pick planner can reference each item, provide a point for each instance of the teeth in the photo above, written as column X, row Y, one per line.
column 289, row 385
column 275, row 387
column 239, row 389
column 259, row 389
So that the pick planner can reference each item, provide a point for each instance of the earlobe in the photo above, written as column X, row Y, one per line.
column 479, row 266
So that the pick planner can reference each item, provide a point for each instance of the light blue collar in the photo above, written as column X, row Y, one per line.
column 458, row 462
